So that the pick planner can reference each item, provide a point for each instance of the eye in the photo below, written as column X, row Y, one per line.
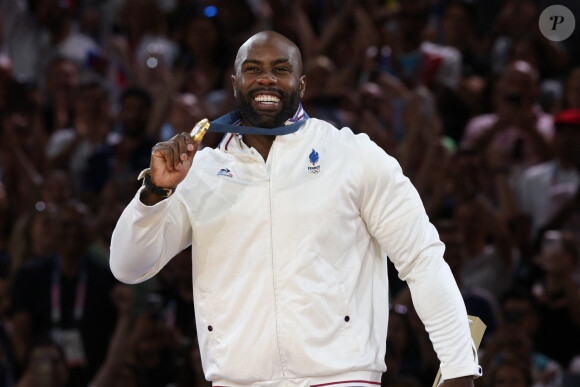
column 251, row 69
column 282, row 69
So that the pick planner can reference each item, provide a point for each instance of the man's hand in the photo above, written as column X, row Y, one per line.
column 170, row 163
column 171, row 160
column 464, row 381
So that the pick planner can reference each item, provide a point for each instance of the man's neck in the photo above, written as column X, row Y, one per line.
column 262, row 143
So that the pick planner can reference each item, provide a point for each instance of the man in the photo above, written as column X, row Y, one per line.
column 287, row 235
column 62, row 296
column 518, row 134
column 548, row 192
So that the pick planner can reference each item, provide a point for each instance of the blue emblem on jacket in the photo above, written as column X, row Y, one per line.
column 313, row 157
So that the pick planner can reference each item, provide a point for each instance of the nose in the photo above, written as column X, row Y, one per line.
column 267, row 78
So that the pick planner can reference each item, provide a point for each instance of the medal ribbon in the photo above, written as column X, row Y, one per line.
column 228, row 124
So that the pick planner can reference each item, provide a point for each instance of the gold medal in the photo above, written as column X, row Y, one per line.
column 199, row 130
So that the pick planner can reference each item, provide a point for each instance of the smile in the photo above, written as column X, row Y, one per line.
column 267, row 99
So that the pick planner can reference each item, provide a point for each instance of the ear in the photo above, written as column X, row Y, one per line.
column 234, row 84
column 302, row 85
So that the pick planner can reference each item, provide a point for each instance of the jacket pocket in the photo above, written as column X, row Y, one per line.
column 208, row 332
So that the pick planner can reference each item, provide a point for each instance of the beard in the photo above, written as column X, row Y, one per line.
column 289, row 103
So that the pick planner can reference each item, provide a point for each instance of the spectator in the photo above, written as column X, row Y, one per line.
column 373, row 116
column 486, row 265
column 459, row 30
column 70, row 148
column 414, row 60
column 511, row 372
column 63, row 39
column 21, row 37
column 519, row 18
column 514, row 337
column 153, row 348
column 177, row 293
column 140, row 48
column 107, row 208
column 326, row 96
column 518, row 133
column 130, row 153
column 404, row 355
column 547, row 191
column 408, row 56
column 45, row 365
column 113, row 372
column 56, row 188
column 206, row 56
column 61, row 297
column 478, row 301
column 35, row 236
column 345, row 40
column 185, row 111
column 558, row 296
column 60, row 90
column 21, row 138
column 531, row 48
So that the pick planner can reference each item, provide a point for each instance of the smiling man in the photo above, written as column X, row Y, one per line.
column 290, row 221
column 268, row 87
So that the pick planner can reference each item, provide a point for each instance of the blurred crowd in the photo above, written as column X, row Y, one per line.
column 479, row 108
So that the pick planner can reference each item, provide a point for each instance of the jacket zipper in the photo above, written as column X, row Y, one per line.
column 274, row 268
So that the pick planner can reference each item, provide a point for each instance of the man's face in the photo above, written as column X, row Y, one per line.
column 134, row 115
column 509, row 376
column 268, row 82
column 412, row 19
column 516, row 88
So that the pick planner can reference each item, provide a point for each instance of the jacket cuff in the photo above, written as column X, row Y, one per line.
column 461, row 370
column 143, row 208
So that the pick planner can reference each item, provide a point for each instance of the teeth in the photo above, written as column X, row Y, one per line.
column 267, row 98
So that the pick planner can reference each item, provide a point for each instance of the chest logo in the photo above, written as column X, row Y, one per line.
column 313, row 166
column 225, row 172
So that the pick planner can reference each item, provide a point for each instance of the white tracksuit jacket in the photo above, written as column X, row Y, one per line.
column 289, row 268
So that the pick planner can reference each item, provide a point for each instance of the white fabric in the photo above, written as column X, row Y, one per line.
column 449, row 73
column 487, row 270
column 536, row 190
column 21, row 38
column 282, row 256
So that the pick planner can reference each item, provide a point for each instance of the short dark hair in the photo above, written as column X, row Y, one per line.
column 518, row 293
column 468, row 6
column 138, row 92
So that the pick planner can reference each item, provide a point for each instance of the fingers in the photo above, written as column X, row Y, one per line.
column 176, row 151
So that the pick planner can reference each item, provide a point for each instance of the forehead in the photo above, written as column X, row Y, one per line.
column 266, row 50
column 516, row 80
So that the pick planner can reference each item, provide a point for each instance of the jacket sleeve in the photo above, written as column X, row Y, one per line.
column 394, row 214
column 147, row 237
